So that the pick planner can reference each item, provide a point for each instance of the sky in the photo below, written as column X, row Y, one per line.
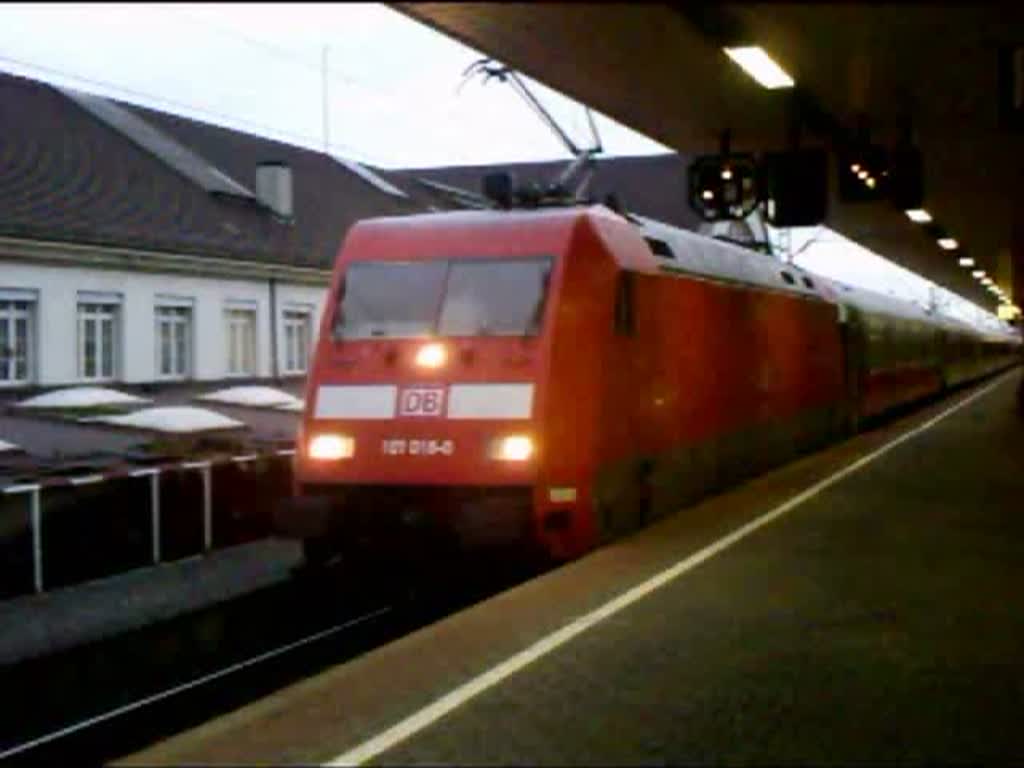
column 395, row 95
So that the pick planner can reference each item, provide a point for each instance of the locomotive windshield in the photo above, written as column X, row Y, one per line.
column 443, row 298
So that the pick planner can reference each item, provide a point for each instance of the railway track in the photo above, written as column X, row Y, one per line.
column 94, row 703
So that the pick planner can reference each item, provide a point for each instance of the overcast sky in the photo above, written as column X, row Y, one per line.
column 393, row 86
column 394, row 95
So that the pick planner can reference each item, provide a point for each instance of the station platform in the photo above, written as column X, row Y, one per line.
column 35, row 626
column 860, row 605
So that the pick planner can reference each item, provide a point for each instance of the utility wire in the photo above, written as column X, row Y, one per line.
column 270, row 47
column 295, row 57
column 307, row 141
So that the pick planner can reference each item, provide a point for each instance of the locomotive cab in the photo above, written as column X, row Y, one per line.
column 425, row 398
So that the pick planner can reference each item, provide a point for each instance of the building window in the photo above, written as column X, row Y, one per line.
column 241, row 339
column 97, row 341
column 174, row 342
column 15, row 341
column 296, row 341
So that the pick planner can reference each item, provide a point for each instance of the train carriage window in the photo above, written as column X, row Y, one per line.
column 809, row 283
column 788, row 278
column 625, row 320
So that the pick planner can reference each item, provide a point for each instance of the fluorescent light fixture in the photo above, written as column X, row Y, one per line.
column 760, row 66
column 966, row 261
column 919, row 215
column 870, row 181
column 862, row 174
column 707, row 194
column 726, row 174
column 948, row 243
column 855, row 168
column 978, row 273
column 987, row 281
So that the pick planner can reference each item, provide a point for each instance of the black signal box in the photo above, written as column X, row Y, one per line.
column 796, row 187
column 905, row 183
column 723, row 186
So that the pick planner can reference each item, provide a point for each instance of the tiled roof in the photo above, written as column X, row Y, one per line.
column 66, row 176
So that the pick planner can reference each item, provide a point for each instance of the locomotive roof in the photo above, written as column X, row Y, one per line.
column 706, row 256
column 701, row 255
column 697, row 254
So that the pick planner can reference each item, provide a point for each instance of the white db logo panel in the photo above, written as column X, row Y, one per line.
column 421, row 401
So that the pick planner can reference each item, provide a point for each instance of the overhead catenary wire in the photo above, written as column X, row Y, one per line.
column 292, row 56
column 282, row 53
column 152, row 101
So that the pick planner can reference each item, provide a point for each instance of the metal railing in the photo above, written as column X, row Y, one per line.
column 233, row 487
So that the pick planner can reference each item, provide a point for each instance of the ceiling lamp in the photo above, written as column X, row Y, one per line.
column 919, row 215
column 760, row 66
column 948, row 244
column 966, row 261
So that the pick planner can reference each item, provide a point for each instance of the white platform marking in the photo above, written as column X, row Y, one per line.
column 451, row 701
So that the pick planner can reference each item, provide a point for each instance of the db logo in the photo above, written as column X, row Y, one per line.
column 421, row 401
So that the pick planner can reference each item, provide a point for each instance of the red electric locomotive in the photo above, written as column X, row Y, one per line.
column 560, row 376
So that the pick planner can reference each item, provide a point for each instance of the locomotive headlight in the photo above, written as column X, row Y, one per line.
column 329, row 447
column 431, row 356
column 513, row 448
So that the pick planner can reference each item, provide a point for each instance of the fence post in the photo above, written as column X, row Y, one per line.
column 154, row 498
column 37, row 540
column 206, row 473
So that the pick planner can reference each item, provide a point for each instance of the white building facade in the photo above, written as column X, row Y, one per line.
column 72, row 314
column 140, row 248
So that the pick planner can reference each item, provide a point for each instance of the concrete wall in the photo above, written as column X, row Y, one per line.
column 56, row 324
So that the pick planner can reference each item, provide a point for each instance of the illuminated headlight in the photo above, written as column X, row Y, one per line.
column 331, row 447
column 513, row 448
column 431, row 356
